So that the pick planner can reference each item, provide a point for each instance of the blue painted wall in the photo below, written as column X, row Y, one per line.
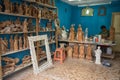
column 64, row 13
column 94, row 22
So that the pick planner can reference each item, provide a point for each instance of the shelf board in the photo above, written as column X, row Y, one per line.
column 12, row 52
column 19, row 32
column 27, row 32
column 12, row 14
column 41, row 4
column 26, row 65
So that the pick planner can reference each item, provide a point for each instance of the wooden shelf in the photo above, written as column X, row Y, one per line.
column 13, row 14
column 18, row 32
column 27, row 32
column 12, row 52
column 41, row 4
column 25, row 65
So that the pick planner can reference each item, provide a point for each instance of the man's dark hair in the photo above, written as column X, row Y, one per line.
column 102, row 27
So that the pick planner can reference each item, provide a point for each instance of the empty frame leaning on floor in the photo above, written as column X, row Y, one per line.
column 46, row 64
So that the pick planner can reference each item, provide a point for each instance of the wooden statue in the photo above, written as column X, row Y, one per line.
column 81, row 51
column 72, row 33
column 26, row 10
column 80, row 34
column 20, row 9
column 25, row 45
column 16, row 8
column 11, row 43
column 0, row 8
column 15, row 43
column 89, row 52
column 17, row 21
column 75, row 51
column 4, row 45
column 112, row 33
column 69, row 51
column 7, row 5
column 11, row 8
column 20, row 43
column 25, row 25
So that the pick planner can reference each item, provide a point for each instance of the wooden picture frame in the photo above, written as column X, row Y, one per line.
column 46, row 64
column 102, row 11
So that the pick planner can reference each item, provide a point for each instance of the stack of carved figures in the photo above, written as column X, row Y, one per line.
column 78, row 50
column 16, row 26
column 46, row 13
column 10, row 64
column 16, row 43
column 46, row 2
column 26, row 59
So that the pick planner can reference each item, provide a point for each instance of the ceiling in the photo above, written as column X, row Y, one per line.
column 88, row 2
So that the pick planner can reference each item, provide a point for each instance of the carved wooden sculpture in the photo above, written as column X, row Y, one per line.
column 20, row 9
column 0, row 8
column 15, row 43
column 7, row 5
column 20, row 43
column 11, row 43
column 25, row 25
column 25, row 45
column 81, row 50
column 26, row 59
column 72, row 33
column 89, row 52
column 75, row 51
column 69, row 51
column 80, row 34
column 112, row 33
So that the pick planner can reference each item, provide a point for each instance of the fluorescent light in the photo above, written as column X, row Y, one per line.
column 93, row 4
column 74, row 0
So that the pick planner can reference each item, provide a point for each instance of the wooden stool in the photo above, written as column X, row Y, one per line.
column 59, row 55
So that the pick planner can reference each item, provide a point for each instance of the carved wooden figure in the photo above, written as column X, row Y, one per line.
column 72, row 33
column 25, row 45
column 7, row 5
column 15, row 43
column 20, row 9
column 75, row 51
column 69, row 51
column 11, row 43
column 80, row 34
column 6, row 44
column 20, row 43
column 112, row 33
column 82, row 51
column 0, row 8
column 25, row 25
column 89, row 52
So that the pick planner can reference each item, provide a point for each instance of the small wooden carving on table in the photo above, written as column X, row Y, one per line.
column 112, row 33
column 80, row 34
column 89, row 52
column 16, row 43
column 72, row 33
column 69, row 51
column 7, row 6
column 82, row 51
column 75, row 51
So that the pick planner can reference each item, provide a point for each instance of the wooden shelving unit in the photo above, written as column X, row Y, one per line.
column 36, row 31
